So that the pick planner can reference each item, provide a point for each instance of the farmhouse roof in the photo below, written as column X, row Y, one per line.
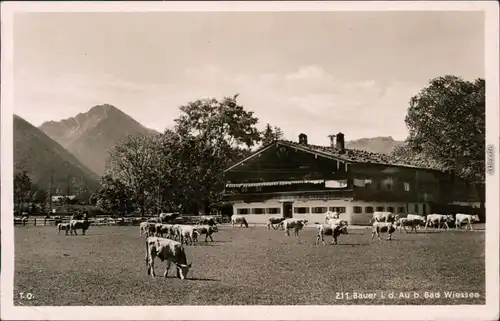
column 349, row 155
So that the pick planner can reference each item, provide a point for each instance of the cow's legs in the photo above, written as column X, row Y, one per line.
column 390, row 236
column 167, row 268
column 470, row 225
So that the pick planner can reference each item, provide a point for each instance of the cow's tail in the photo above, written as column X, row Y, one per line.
column 147, row 253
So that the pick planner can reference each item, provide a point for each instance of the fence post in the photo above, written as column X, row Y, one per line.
column 34, row 221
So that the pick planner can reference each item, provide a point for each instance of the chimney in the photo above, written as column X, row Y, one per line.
column 303, row 139
column 340, row 143
column 332, row 141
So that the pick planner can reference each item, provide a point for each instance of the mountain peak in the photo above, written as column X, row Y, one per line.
column 91, row 135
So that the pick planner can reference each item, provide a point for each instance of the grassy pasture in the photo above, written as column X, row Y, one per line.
column 243, row 266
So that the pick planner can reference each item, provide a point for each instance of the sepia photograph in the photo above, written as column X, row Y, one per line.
column 250, row 161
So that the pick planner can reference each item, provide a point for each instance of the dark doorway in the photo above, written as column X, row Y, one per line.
column 287, row 209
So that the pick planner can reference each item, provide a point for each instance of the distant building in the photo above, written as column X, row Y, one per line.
column 60, row 198
column 299, row 180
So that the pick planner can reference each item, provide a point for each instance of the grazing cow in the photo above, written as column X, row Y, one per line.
column 275, row 220
column 331, row 216
column 188, row 233
column 295, row 224
column 384, row 217
column 207, row 230
column 438, row 220
column 168, row 217
column 383, row 227
column 238, row 219
column 207, row 220
column 64, row 227
column 334, row 231
column 147, row 229
column 78, row 225
column 169, row 250
column 465, row 218
column 403, row 222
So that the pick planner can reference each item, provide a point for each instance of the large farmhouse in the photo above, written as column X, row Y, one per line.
column 293, row 179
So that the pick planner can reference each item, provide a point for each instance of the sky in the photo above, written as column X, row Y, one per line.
column 317, row 73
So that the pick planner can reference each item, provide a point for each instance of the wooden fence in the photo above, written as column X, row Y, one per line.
column 105, row 221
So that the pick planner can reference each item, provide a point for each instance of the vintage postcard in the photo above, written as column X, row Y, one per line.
column 172, row 160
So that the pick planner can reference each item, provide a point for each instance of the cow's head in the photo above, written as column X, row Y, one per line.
column 475, row 218
column 183, row 269
column 215, row 228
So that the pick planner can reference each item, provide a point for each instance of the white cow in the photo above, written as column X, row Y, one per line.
column 465, row 218
column 383, row 227
column 420, row 218
column 188, row 233
column 295, row 224
column 169, row 250
column 438, row 220
column 384, row 217
column 238, row 219
column 207, row 230
column 334, row 231
column 147, row 229
column 275, row 220
column 64, row 227
column 331, row 215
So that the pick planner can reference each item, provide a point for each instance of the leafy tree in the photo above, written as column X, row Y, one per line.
column 446, row 121
column 269, row 134
column 114, row 196
column 22, row 188
column 212, row 135
column 134, row 162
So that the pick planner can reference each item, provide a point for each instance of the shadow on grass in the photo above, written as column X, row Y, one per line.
column 202, row 279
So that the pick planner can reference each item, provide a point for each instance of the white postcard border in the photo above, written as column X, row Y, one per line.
column 342, row 312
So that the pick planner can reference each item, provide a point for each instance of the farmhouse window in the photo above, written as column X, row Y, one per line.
column 407, row 187
column 301, row 210
column 244, row 189
column 401, row 210
column 424, row 209
column 380, row 208
column 258, row 210
column 319, row 210
column 337, row 209
column 369, row 209
column 258, row 188
column 358, row 209
column 242, row 211
column 390, row 209
column 389, row 186
column 273, row 210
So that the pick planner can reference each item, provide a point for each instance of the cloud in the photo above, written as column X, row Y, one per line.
column 308, row 99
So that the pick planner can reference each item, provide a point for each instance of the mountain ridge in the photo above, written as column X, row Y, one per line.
column 45, row 160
